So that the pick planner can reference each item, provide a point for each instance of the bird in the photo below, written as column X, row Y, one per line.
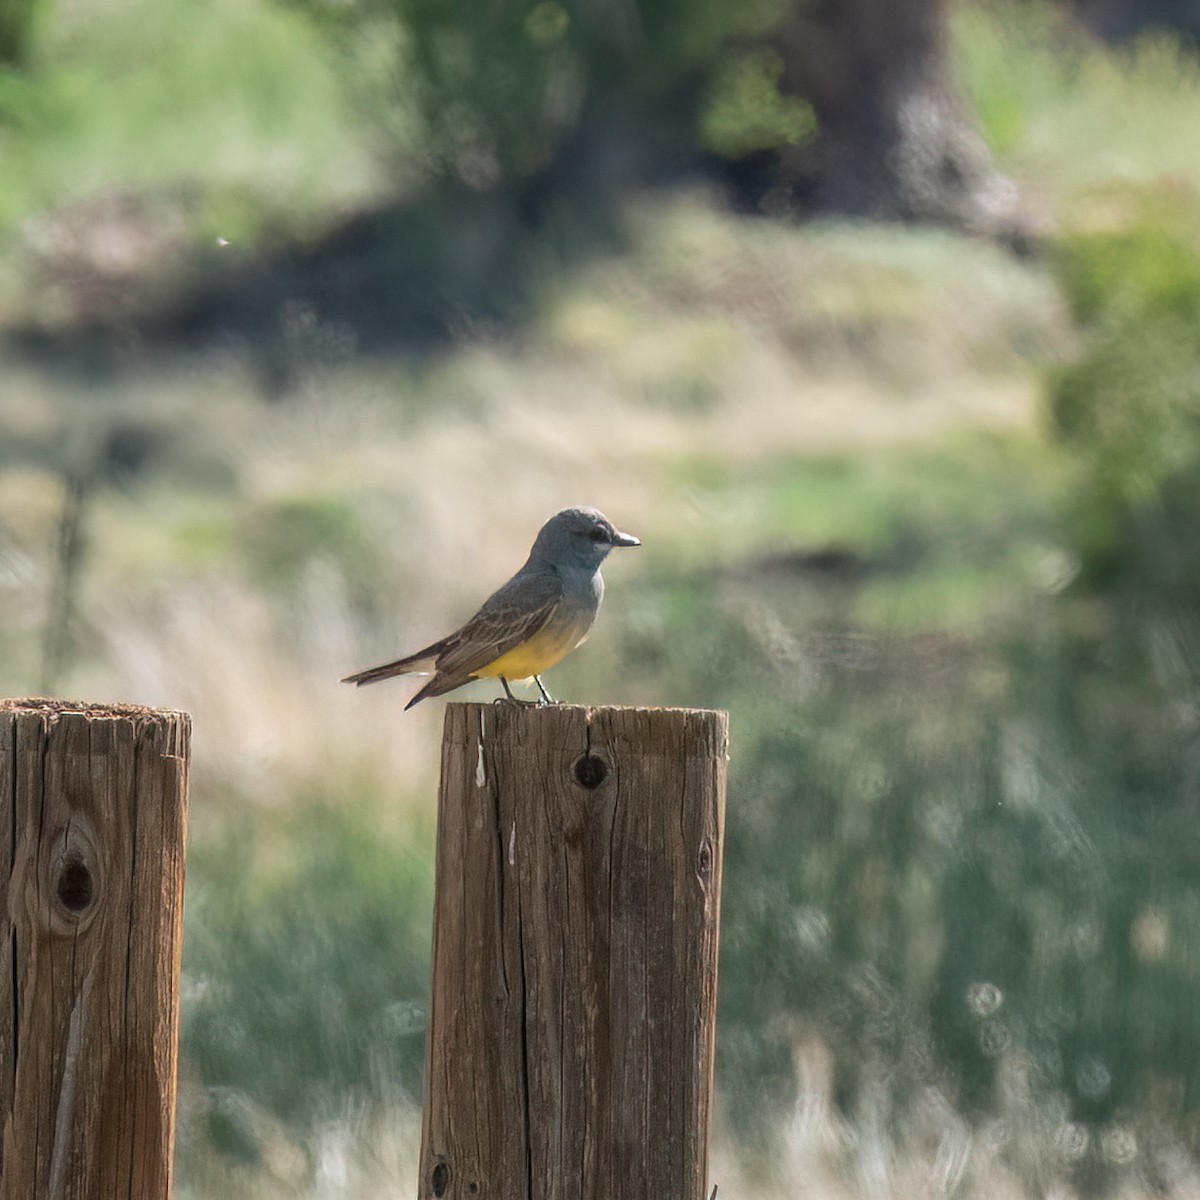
column 530, row 623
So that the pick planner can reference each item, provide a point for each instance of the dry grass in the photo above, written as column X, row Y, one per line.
column 813, row 1152
column 1029, row 1149
column 348, row 1159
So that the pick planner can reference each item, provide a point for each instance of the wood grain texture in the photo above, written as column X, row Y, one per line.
column 572, row 1023
column 93, row 805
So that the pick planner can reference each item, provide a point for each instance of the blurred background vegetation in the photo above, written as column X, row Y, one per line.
column 878, row 322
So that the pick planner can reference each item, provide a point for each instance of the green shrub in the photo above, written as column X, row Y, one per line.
column 745, row 111
column 1128, row 408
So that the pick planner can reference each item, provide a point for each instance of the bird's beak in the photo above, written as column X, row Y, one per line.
column 625, row 539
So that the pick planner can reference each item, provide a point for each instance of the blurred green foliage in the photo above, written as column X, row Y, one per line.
column 280, row 536
column 949, row 863
column 1069, row 117
column 307, row 963
column 230, row 112
column 745, row 112
column 1013, row 60
column 496, row 91
column 1128, row 407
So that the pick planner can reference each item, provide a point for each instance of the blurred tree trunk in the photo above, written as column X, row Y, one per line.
column 895, row 139
column 630, row 129
column 622, row 141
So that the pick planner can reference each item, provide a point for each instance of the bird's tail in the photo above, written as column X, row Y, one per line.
column 412, row 664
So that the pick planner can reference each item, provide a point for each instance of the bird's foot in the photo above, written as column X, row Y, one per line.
column 509, row 698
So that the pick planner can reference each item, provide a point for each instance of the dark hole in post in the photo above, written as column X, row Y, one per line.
column 440, row 1180
column 75, row 885
column 591, row 771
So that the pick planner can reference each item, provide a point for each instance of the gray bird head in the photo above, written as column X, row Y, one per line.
column 580, row 537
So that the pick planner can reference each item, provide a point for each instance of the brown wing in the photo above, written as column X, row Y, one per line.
column 508, row 617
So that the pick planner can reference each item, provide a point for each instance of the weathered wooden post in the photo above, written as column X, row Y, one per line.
column 572, row 1025
column 92, row 825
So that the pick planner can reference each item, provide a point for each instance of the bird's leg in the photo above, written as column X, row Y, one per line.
column 509, row 696
column 546, row 697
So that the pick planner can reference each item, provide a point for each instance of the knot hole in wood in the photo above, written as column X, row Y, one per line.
column 439, row 1179
column 591, row 771
column 72, row 880
column 75, row 886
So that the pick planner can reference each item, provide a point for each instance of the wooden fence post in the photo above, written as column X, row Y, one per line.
column 92, row 826
column 570, row 1044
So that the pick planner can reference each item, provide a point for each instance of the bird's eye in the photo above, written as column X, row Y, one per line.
column 599, row 534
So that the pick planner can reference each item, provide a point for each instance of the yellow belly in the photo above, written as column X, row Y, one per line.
column 533, row 657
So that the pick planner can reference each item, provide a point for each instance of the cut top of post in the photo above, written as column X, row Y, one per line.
column 54, row 708
column 690, row 731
